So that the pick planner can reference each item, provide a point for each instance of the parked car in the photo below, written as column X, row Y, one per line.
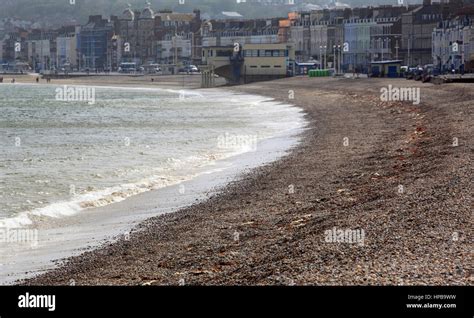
column 128, row 67
column 418, row 74
column 410, row 73
column 189, row 69
column 152, row 69
column 429, row 71
column 403, row 71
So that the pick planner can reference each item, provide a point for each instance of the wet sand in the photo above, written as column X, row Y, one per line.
column 400, row 172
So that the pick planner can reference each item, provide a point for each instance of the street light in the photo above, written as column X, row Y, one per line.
column 321, row 58
column 382, row 48
column 325, row 56
column 339, row 57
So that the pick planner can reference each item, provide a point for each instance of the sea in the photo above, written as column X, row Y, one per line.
column 63, row 152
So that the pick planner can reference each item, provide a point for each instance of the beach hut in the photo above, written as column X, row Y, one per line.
column 304, row 68
column 389, row 68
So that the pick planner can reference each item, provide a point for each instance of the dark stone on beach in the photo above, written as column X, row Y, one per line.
column 408, row 236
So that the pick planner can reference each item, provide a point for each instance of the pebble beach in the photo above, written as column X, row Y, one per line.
column 396, row 172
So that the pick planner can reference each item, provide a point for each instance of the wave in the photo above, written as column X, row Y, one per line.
column 103, row 197
column 234, row 145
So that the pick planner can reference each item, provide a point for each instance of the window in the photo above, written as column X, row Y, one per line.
column 222, row 53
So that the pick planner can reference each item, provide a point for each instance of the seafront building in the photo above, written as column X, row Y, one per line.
column 95, row 44
column 339, row 37
column 453, row 42
column 159, row 37
column 251, row 61
column 417, row 29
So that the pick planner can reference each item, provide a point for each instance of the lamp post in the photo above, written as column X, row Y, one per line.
column 340, row 57
column 325, row 56
column 396, row 50
column 372, row 49
column 389, row 48
column 320, row 57
column 409, row 50
column 382, row 48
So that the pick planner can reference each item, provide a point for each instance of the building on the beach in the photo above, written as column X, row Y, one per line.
column 300, row 36
column 13, row 34
column 228, row 32
column 7, row 48
column 385, row 38
column 66, row 48
column 370, row 34
column 335, row 40
column 41, row 45
column 95, row 44
column 136, row 30
column 252, row 61
column 417, row 28
column 368, row 40
column 357, row 35
column 221, row 37
column 335, row 36
column 385, row 68
column 284, row 26
column 159, row 37
column 39, row 52
column 319, row 40
column 327, row 33
column 268, row 60
column 13, row 47
column 453, row 43
column 177, row 37
column 314, row 34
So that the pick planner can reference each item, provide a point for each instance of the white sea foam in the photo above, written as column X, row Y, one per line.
column 98, row 198
column 181, row 137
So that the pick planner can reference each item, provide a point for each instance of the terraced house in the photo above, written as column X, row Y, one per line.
column 417, row 28
column 453, row 42
column 414, row 34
